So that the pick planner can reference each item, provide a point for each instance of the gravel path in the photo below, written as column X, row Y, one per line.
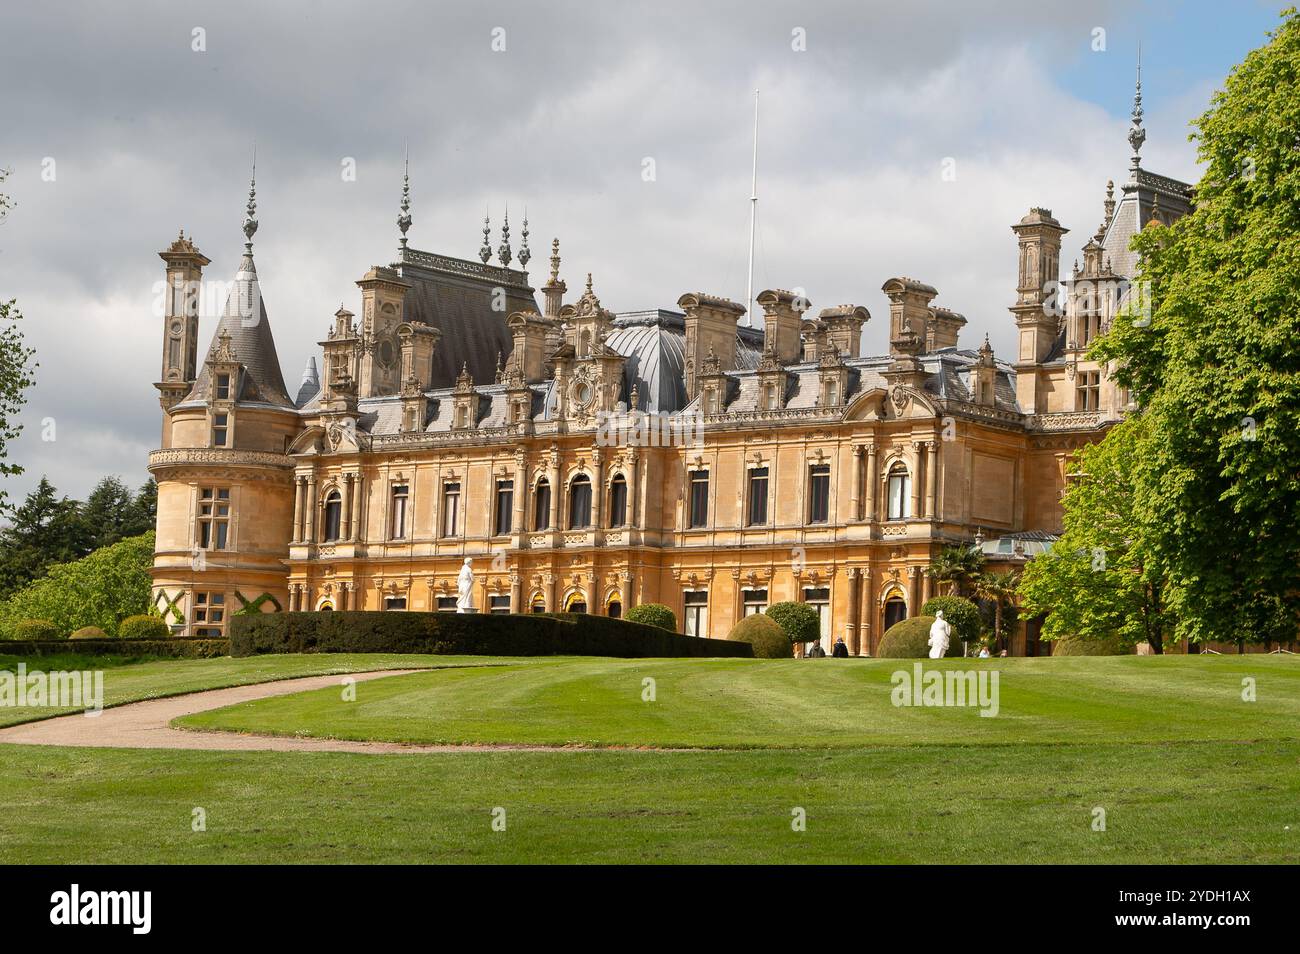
column 145, row 725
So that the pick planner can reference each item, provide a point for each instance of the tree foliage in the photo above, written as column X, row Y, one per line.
column 101, row 590
column 1096, row 584
column 960, row 613
column 798, row 621
column 653, row 614
column 1217, row 369
column 958, row 567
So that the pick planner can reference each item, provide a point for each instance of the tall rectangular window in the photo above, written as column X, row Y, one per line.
column 223, row 387
column 451, row 509
column 618, row 502
column 214, row 518
column 1088, row 390
column 542, row 506
column 699, row 499
column 819, row 598
column 397, row 522
column 899, row 490
column 756, row 514
column 499, row 604
column 753, row 602
column 697, row 613
column 819, row 493
column 394, row 602
column 220, row 429
column 209, row 613
column 505, row 506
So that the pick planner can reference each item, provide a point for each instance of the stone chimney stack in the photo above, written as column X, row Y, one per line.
column 710, row 326
column 782, row 314
column 844, row 328
column 909, row 307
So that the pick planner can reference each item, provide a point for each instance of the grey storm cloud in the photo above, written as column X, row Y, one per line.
column 148, row 136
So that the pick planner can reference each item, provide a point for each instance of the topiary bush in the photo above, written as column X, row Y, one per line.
column 910, row 639
column 960, row 613
column 88, row 632
column 653, row 614
column 37, row 629
column 765, row 635
column 143, row 627
column 1074, row 646
column 798, row 621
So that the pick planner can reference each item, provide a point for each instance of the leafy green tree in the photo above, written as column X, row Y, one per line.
column 109, row 513
column 1095, row 583
column 1216, row 366
column 653, row 614
column 798, row 620
column 144, row 516
column 957, row 567
column 17, row 372
column 45, row 529
column 101, row 590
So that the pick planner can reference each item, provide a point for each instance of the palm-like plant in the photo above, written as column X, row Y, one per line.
column 1000, row 589
column 957, row 568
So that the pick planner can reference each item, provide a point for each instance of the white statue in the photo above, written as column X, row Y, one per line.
column 465, row 588
column 939, row 633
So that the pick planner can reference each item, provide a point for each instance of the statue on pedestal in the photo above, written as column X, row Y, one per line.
column 465, row 588
column 939, row 633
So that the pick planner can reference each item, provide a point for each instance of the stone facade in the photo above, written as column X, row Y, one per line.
column 592, row 461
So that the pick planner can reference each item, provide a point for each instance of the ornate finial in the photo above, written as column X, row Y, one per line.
column 500, row 369
column 1137, row 135
column 404, row 218
column 555, row 261
column 503, row 250
column 524, row 254
column 485, row 253
column 589, row 283
column 250, row 213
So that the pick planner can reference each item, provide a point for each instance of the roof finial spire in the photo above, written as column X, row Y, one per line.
column 524, row 253
column 485, row 253
column 503, row 250
column 1137, row 135
column 404, row 217
column 250, row 213
column 555, row 261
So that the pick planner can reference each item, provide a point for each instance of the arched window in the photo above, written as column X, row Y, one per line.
column 542, row 505
column 333, row 515
column 580, row 502
column 538, row 604
column 618, row 501
column 895, row 610
column 899, row 493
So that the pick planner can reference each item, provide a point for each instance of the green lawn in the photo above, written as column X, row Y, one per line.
column 1183, row 768
column 130, row 680
column 751, row 703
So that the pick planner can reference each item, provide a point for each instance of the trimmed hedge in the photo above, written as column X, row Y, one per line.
column 765, row 635
column 798, row 620
column 910, row 639
column 143, row 627
column 89, row 632
column 36, row 629
column 653, row 614
column 1073, row 646
column 469, row 634
column 177, row 648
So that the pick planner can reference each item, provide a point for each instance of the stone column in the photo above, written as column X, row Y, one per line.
column 855, row 497
column 518, row 526
column 872, row 481
column 309, row 506
column 345, row 509
column 626, row 594
column 553, row 476
column 927, row 585
column 855, row 595
column 916, row 478
column 516, row 594
column 548, row 592
column 598, row 490
column 633, row 490
column 932, row 480
column 298, row 490
column 358, row 506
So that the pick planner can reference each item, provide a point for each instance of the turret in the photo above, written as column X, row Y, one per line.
column 180, row 320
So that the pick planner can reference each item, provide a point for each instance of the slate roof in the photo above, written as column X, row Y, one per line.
column 252, row 342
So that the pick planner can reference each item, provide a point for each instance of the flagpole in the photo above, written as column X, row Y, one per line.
column 753, row 213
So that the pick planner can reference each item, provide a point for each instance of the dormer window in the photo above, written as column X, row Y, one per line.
column 223, row 387
column 220, row 429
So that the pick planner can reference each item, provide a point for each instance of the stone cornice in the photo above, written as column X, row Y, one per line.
column 207, row 458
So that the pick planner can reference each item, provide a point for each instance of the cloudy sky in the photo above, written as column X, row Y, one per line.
column 119, row 132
